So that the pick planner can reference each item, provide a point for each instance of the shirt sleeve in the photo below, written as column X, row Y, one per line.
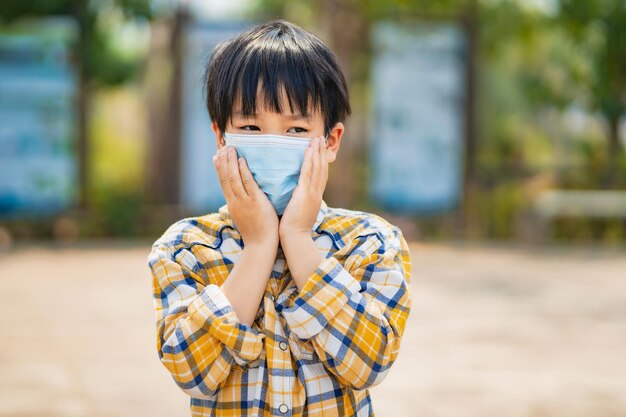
column 356, row 318
column 199, row 337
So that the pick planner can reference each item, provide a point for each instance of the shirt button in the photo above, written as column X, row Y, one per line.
column 283, row 345
column 283, row 408
column 272, row 297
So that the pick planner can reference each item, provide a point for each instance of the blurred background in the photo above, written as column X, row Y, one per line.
column 491, row 132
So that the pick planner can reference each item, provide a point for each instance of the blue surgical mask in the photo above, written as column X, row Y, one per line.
column 275, row 162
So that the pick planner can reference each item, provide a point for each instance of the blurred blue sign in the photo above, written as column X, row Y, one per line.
column 416, row 145
column 38, row 172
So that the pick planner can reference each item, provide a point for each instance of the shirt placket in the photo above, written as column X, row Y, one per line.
column 281, row 375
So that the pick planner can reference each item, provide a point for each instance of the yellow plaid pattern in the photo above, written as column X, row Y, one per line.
column 314, row 352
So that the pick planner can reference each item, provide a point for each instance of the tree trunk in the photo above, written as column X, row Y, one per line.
column 470, row 186
column 164, row 83
column 83, row 102
column 615, row 151
column 346, row 31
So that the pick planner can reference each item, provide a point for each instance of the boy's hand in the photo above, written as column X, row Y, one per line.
column 251, row 210
column 306, row 200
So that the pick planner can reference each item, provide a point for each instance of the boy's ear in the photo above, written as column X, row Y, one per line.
column 333, row 141
column 219, row 139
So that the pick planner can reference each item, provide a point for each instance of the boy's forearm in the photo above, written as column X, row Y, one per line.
column 247, row 281
column 303, row 256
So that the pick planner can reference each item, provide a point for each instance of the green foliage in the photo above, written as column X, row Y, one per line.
column 603, row 24
column 102, row 63
column 370, row 10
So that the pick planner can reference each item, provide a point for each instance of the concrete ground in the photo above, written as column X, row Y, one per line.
column 494, row 331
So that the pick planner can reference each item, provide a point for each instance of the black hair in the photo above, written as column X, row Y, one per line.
column 279, row 54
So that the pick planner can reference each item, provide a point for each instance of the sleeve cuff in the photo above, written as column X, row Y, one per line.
column 324, row 294
column 216, row 315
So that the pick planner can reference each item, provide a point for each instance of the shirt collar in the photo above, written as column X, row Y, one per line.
column 321, row 215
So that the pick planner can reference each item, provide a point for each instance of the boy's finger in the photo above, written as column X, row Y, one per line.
column 324, row 160
column 305, row 171
column 315, row 164
column 234, row 178
column 221, row 164
column 247, row 179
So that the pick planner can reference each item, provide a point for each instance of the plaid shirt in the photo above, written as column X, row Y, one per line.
column 313, row 352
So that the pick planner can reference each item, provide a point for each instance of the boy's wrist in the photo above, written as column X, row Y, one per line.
column 302, row 255
column 288, row 236
column 269, row 244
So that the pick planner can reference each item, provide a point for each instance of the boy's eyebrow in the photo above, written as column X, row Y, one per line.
column 289, row 116
column 298, row 116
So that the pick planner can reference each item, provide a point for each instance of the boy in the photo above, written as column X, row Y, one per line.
column 278, row 305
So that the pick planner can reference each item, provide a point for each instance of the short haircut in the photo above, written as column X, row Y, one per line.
column 279, row 54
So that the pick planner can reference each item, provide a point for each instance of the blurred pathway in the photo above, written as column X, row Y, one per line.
column 493, row 331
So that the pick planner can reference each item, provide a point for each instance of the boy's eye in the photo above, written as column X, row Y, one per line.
column 255, row 127
column 302, row 130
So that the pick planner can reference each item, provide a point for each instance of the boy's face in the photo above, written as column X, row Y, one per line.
column 285, row 124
